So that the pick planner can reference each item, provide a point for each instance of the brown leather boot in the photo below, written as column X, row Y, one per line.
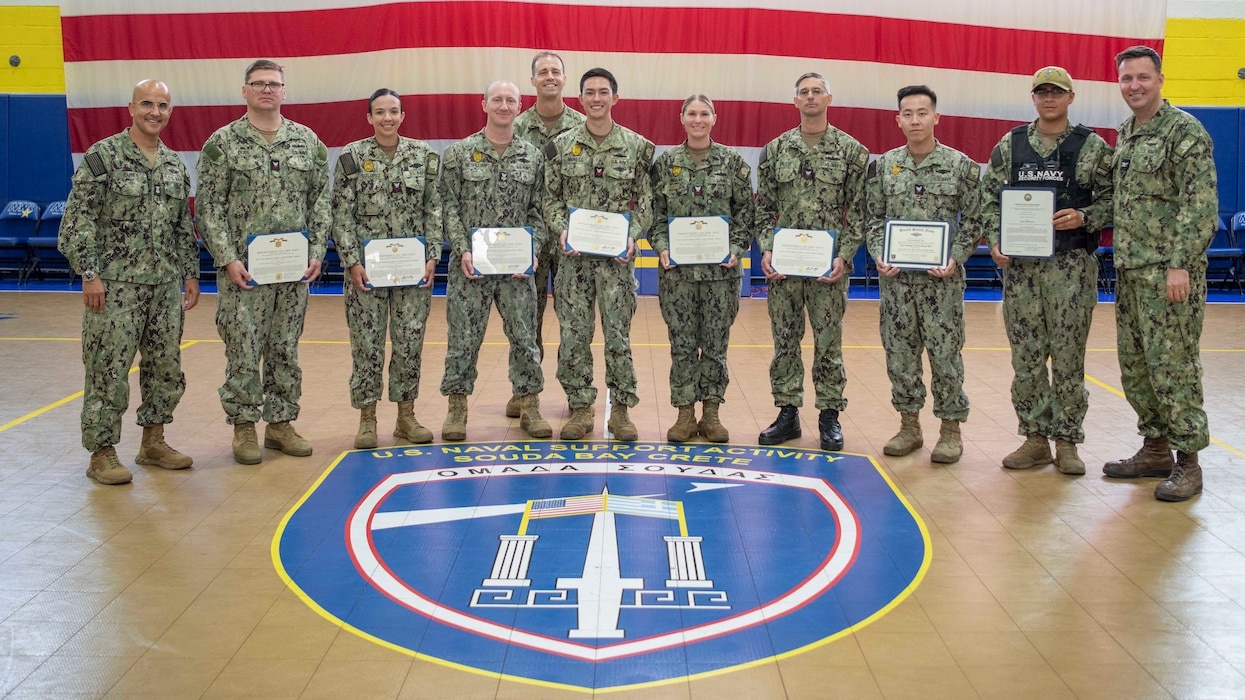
column 1185, row 481
column 155, row 452
column 710, row 424
column 455, row 426
column 950, row 445
column 579, row 425
column 514, row 407
column 365, row 438
column 106, row 468
column 282, row 436
column 1033, row 453
column 1153, row 459
column 620, row 424
column 1067, row 461
column 684, row 427
column 408, row 428
column 245, row 444
column 530, row 419
column 909, row 437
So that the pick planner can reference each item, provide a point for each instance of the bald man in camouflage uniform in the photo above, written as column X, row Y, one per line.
column 811, row 177
column 385, row 186
column 924, row 180
column 1166, row 210
column 1048, row 303
column 262, row 174
column 603, row 166
column 492, row 180
column 127, row 231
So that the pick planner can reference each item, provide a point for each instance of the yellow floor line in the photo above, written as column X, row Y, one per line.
column 1213, row 440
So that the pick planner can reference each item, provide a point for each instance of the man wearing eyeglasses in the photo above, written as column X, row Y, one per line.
column 1048, row 303
column 262, row 174
column 811, row 177
column 127, row 231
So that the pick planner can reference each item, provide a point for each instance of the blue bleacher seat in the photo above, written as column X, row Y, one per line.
column 19, row 221
column 1224, row 256
column 980, row 267
column 47, row 257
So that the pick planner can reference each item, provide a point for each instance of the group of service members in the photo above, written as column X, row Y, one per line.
column 128, row 232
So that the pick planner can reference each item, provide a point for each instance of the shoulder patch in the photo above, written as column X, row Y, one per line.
column 95, row 163
column 213, row 152
column 862, row 158
column 322, row 153
column 744, row 172
column 648, row 154
column 434, row 163
column 872, row 172
column 1182, row 149
column 996, row 157
column 347, row 164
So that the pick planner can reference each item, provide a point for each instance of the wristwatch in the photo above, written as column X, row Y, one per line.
column 88, row 275
column 1084, row 217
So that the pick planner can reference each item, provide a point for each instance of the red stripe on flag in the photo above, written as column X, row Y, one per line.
column 470, row 25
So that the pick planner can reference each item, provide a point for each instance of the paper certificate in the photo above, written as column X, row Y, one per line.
column 394, row 262
column 272, row 258
column 1027, row 222
column 804, row 252
column 501, row 251
column 916, row 245
column 700, row 240
column 598, row 232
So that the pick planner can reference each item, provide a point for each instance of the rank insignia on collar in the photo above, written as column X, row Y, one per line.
column 477, row 156
column 369, row 166
column 576, row 150
column 808, row 174
column 1124, row 165
column 676, row 170
column 697, row 190
column 397, row 187
column 599, row 171
column 920, row 189
column 276, row 165
column 895, row 169
column 503, row 177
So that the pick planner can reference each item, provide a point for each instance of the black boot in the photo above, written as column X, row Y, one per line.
column 831, row 431
column 785, row 427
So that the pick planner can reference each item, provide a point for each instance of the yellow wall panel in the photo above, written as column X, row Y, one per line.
column 1200, row 61
column 33, row 34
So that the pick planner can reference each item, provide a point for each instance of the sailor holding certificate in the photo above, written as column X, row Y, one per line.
column 702, row 191
column 385, row 188
column 923, row 309
column 492, row 185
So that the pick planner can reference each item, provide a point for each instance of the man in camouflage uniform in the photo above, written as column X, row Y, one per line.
column 127, row 231
column 924, row 180
column 1166, row 206
column 385, row 186
column 262, row 174
column 492, row 180
column 603, row 166
column 699, row 302
column 540, row 124
column 811, row 177
column 1048, row 303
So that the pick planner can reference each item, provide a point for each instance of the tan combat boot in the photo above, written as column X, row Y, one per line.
column 365, row 439
column 1153, row 459
column 579, row 425
column 1185, row 481
column 282, row 436
column 155, row 452
column 454, row 428
column 1067, row 461
column 620, row 424
column 106, row 468
column 710, row 425
column 908, row 439
column 684, row 427
column 950, row 446
column 1034, row 452
column 514, row 407
column 245, row 444
column 530, row 419
column 409, row 429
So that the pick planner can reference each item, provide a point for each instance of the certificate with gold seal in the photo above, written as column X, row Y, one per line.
column 502, row 251
column 699, row 240
column 394, row 262
column 916, row 245
column 1027, row 222
column 273, row 258
column 592, row 232
column 800, row 252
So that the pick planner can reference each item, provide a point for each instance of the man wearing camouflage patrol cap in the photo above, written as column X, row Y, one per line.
column 127, row 231
column 1166, row 210
column 1048, row 303
column 262, row 174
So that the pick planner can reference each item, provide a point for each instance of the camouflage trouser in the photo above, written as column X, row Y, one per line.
column 260, row 324
column 546, row 270
column 918, row 312
column 467, row 303
column 404, row 310
column 698, row 322
column 1047, row 308
column 142, row 318
column 584, row 282
column 1159, row 342
column 825, row 303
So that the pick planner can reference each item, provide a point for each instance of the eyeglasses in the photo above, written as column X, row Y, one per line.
column 1050, row 92
column 815, row 92
column 261, row 86
column 163, row 107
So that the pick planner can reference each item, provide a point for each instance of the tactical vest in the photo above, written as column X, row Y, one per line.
column 1029, row 169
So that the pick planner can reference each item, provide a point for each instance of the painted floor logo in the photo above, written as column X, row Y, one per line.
column 602, row 565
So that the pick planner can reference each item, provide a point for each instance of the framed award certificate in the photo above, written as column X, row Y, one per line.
column 1027, row 222
column 802, row 252
column 394, row 262
column 699, row 240
column 272, row 258
column 916, row 245
column 502, row 251
column 602, row 233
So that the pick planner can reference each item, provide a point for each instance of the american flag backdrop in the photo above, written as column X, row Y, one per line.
column 978, row 55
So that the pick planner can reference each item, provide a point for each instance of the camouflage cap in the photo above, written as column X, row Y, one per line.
column 1053, row 75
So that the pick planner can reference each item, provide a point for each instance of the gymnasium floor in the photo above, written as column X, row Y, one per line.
column 1040, row 585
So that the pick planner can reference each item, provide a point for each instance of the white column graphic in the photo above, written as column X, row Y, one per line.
column 687, row 566
column 514, row 554
column 600, row 587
